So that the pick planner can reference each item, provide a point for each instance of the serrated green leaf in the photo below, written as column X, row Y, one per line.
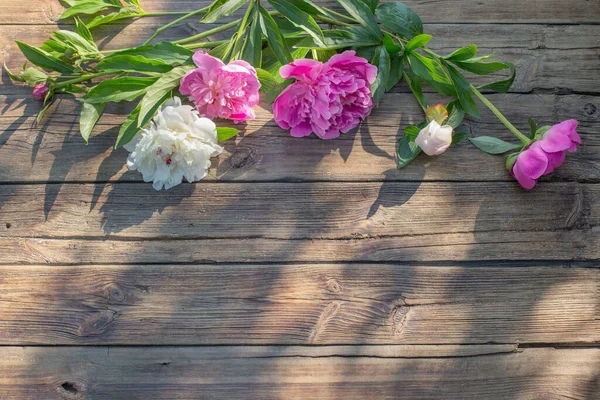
column 222, row 8
column 492, row 145
column 44, row 59
column 417, row 42
column 224, row 134
column 464, row 91
column 407, row 151
column 382, row 62
column 361, row 12
column 300, row 19
column 118, row 89
column 400, row 19
column 129, row 63
column 90, row 114
column 463, row 54
column 162, row 87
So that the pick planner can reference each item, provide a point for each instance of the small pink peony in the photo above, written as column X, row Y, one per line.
column 40, row 91
column 224, row 91
column 327, row 98
column 547, row 154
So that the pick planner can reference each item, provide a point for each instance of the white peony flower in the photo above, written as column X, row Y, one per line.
column 434, row 139
column 177, row 144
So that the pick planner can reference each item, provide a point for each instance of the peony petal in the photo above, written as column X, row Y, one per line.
column 524, row 180
column 206, row 62
column 303, row 69
column 532, row 162
column 555, row 160
column 557, row 138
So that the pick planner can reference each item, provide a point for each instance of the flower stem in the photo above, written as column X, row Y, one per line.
column 161, row 13
column 178, row 20
column 204, row 45
column 417, row 97
column 82, row 78
column 501, row 117
column 209, row 32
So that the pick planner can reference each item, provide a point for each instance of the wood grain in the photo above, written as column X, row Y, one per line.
column 299, row 373
column 55, row 152
column 298, row 304
column 294, row 210
column 456, row 11
column 566, row 245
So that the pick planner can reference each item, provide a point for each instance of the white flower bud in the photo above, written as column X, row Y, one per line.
column 434, row 139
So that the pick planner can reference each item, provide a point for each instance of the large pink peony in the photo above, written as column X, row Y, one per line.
column 327, row 98
column 547, row 154
column 224, row 91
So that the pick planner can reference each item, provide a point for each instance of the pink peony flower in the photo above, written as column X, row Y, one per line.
column 40, row 91
column 224, row 91
column 547, row 154
column 327, row 98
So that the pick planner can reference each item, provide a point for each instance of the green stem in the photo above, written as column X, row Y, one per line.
column 178, row 20
column 82, row 78
column 209, row 32
column 501, row 117
column 331, row 21
column 161, row 13
column 204, row 45
column 340, row 15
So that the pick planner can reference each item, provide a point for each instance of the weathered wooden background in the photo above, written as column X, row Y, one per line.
column 303, row 268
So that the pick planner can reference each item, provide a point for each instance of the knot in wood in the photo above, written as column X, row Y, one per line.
column 333, row 286
column 72, row 389
column 240, row 157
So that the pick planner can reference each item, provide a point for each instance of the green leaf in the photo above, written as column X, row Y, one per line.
column 415, row 87
column 123, row 13
column 390, row 45
column 130, row 127
column 222, row 8
column 86, row 7
column 44, row 59
column 75, row 41
column 383, row 64
column 492, row 145
column 129, row 63
column 90, row 114
column 432, row 73
column 118, row 89
column 84, row 32
column 54, row 48
column 411, row 132
column 352, row 36
column 532, row 128
column 372, row 4
column 458, row 137
column 274, row 37
column 456, row 114
column 224, row 134
column 511, row 159
column 252, row 51
column 400, row 19
column 33, row 76
column 406, row 152
column 271, row 87
column 13, row 77
column 501, row 86
column 396, row 70
column 463, row 54
column 481, row 68
column 543, row 129
column 361, row 12
column 299, row 18
column 464, row 91
column 163, row 86
column 308, row 7
column 417, row 42
column 167, row 52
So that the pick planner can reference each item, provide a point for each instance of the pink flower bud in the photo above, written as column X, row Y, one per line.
column 40, row 91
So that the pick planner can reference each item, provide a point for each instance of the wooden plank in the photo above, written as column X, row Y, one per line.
column 314, row 210
column 297, row 304
column 543, row 11
column 541, row 53
column 55, row 152
column 297, row 373
column 565, row 245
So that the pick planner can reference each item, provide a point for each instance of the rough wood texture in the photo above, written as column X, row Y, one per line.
column 300, row 373
column 298, row 304
column 441, row 281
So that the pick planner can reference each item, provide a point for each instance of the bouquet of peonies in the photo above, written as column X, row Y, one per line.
column 323, row 70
